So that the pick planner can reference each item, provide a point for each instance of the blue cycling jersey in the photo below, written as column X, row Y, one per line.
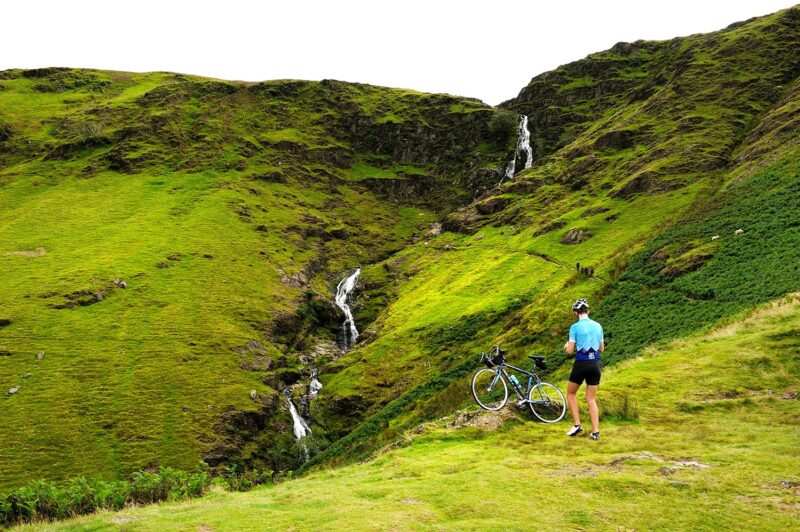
column 587, row 335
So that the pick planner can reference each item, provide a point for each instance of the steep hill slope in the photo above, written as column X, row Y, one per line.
column 714, row 446
column 171, row 244
column 635, row 195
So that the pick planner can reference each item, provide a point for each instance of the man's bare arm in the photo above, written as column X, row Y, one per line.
column 569, row 347
column 602, row 346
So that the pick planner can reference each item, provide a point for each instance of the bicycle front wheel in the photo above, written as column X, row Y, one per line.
column 489, row 389
column 547, row 402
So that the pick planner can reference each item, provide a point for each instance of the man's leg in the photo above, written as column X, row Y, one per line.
column 594, row 414
column 572, row 401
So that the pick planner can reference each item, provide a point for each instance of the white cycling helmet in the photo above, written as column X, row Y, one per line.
column 581, row 305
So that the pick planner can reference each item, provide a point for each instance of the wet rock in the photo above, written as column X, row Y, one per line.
column 15, row 389
column 575, row 236
column 435, row 229
column 120, row 283
column 161, row 265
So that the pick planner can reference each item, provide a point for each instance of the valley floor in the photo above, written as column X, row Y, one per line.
column 714, row 446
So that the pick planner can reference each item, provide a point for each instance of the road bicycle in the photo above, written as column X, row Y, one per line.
column 490, row 387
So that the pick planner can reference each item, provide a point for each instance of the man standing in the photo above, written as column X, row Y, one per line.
column 586, row 343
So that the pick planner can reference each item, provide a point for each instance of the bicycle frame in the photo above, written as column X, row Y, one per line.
column 533, row 379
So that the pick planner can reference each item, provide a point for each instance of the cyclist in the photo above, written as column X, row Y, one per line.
column 585, row 343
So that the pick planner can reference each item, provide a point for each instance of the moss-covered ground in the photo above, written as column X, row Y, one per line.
column 712, row 445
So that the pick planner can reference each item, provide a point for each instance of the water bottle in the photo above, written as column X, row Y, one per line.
column 514, row 381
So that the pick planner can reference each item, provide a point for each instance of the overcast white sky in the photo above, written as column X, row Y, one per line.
column 488, row 50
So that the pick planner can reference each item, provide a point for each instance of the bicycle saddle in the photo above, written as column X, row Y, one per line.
column 534, row 357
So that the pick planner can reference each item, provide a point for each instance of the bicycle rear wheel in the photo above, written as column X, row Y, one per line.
column 547, row 402
column 489, row 389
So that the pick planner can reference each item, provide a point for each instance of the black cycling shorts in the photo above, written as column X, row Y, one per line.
column 585, row 370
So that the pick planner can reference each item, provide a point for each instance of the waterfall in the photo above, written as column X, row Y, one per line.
column 343, row 290
column 315, row 386
column 523, row 145
column 301, row 428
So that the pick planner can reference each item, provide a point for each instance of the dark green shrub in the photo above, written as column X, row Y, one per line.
column 239, row 479
column 43, row 501
column 502, row 125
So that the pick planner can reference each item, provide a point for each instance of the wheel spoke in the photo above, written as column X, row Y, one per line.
column 547, row 402
column 489, row 389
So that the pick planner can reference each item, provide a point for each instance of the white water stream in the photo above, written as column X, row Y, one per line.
column 523, row 145
column 315, row 386
column 343, row 290
column 301, row 428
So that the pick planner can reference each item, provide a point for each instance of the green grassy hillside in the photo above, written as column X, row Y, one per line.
column 714, row 446
column 640, row 213
column 229, row 211
column 171, row 244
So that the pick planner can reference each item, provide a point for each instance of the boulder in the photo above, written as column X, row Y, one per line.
column 493, row 205
column 552, row 226
column 350, row 404
column 575, row 236
column 617, row 140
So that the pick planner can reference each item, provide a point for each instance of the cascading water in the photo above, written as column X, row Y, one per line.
column 315, row 386
column 523, row 145
column 343, row 290
column 301, row 428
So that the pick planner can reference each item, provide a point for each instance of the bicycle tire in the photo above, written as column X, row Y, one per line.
column 482, row 379
column 548, row 405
